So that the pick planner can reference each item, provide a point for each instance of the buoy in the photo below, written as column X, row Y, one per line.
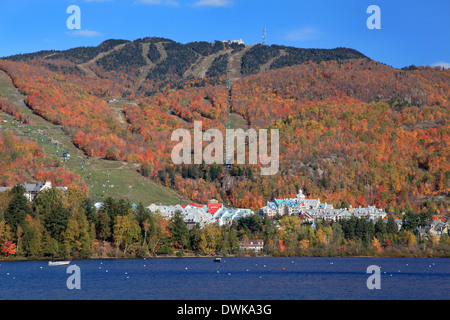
column 283, row 268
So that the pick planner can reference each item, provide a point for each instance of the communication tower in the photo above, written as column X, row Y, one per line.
column 264, row 42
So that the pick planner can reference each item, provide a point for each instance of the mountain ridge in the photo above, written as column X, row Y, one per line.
column 167, row 61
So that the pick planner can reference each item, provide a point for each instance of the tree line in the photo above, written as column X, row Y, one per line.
column 68, row 225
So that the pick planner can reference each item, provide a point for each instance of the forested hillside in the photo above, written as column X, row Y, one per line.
column 351, row 129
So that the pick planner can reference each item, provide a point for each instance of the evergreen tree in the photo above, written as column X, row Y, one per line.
column 56, row 221
column 47, row 200
column 89, row 210
column 18, row 208
column 102, row 227
column 194, row 237
column 391, row 226
column 380, row 229
column 32, row 238
column 179, row 229
column 410, row 221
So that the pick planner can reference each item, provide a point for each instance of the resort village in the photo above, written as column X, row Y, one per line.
column 308, row 210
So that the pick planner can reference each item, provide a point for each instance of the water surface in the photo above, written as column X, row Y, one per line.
column 262, row 278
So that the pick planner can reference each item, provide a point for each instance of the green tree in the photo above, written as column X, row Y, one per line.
column 49, row 246
column 102, row 227
column 380, row 229
column 194, row 237
column 32, row 238
column 46, row 200
column 391, row 226
column 89, row 210
column 115, row 208
column 56, row 221
column 179, row 229
column 77, row 236
column 233, row 240
column 410, row 221
column 17, row 209
column 252, row 223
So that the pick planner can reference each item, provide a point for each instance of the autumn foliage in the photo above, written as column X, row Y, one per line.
column 9, row 248
column 23, row 161
column 350, row 130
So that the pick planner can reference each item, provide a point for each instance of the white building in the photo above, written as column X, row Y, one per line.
column 234, row 41
column 32, row 189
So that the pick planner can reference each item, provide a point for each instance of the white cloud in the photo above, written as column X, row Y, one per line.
column 446, row 65
column 303, row 34
column 85, row 33
column 212, row 3
column 149, row 1
column 170, row 3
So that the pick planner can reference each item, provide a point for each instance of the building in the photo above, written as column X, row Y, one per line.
column 290, row 206
column 234, row 41
column 252, row 244
column 32, row 189
column 213, row 212
column 312, row 209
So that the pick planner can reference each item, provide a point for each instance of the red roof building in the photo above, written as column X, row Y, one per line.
column 214, row 207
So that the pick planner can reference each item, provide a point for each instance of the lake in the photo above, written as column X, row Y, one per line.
column 252, row 278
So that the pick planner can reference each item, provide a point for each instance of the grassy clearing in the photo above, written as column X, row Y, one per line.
column 236, row 121
column 109, row 178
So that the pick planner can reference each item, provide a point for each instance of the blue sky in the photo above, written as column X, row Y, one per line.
column 412, row 32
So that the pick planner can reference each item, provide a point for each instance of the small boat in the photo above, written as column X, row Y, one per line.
column 58, row 263
column 218, row 260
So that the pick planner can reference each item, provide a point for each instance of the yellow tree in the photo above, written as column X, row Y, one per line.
column 126, row 231
column 376, row 245
column 5, row 232
column 77, row 237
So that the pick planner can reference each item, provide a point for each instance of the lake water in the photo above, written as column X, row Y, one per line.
column 261, row 278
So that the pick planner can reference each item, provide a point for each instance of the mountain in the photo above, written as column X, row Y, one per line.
column 352, row 130
column 168, row 62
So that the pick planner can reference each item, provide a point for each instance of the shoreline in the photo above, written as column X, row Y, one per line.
column 22, row 259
